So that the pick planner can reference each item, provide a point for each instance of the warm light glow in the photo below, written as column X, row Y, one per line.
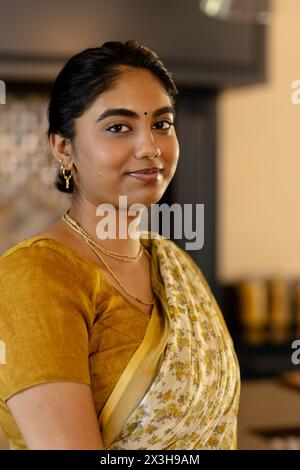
column 211, row 7
column 239, row 11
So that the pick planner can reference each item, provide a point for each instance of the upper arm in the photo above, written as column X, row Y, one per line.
column 45, row 316
column 58, row 415
column 43, row 321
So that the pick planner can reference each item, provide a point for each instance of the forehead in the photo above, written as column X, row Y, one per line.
column 136, row 88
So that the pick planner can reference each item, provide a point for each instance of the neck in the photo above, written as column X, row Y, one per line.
column 85, row 215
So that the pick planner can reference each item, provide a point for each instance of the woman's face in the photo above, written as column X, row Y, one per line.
column 108, row 147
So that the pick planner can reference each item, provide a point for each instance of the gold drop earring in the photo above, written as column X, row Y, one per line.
column 66, row 176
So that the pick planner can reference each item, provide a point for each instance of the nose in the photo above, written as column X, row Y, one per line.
column 147, row 147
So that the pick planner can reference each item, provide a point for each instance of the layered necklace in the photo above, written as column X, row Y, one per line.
column 97, row 248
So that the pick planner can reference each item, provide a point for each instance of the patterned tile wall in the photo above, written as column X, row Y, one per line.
column 28, row 199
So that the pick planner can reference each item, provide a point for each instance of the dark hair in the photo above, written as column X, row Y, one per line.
column 90, row 73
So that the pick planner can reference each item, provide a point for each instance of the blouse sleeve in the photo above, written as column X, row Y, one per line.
column 44, row 321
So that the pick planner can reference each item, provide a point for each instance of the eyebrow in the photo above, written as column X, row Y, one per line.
column 133, row 114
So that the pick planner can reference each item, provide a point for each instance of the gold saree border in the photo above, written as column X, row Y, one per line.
column 142, row 367
column 135, row 379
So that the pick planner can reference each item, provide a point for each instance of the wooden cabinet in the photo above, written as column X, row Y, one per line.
column 37, row 37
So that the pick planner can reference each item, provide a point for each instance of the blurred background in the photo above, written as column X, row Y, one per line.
column 236, row 64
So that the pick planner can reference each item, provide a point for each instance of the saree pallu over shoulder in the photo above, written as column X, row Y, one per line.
column 181, row 388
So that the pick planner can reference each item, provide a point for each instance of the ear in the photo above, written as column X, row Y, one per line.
column 61, row 149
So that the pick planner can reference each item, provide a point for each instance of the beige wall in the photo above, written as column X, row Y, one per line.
column 259, row 163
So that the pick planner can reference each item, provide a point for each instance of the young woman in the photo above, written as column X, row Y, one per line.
column 112, row 343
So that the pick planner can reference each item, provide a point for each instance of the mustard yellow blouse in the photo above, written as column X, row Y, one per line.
column 61, row 320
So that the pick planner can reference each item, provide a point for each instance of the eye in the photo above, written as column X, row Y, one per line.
column 163, row 125
column 116, row 129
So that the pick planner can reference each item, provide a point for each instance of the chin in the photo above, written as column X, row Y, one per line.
column 147, row 197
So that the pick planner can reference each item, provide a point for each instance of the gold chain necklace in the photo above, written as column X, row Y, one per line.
column 87, row 238
column 79, row 229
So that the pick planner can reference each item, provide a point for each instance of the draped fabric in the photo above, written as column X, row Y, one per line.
column 189, row 398
column 166, row 382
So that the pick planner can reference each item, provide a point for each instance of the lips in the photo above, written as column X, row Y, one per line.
column 148, row 174
column 145, row 171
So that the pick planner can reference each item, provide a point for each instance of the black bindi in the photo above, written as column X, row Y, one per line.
column 145, row 114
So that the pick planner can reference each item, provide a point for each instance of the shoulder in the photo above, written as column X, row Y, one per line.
column 40, row 275
column 169, row 248
column 45, row 257
column 174, row 258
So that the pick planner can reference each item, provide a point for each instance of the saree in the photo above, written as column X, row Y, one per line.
column 181, row 388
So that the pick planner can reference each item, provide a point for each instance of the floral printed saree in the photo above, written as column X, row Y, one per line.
column 181, row 388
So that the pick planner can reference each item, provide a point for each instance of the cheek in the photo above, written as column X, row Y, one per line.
column 172, row 152
column 172, row 157
column 96, row 155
